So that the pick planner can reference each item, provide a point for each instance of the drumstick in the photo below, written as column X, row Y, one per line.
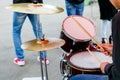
column 98, row 60
column 88, row 33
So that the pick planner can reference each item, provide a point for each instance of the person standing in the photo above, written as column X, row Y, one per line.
column 74, row 7
column 18, row 20
column 107, row 11
column 113, row 69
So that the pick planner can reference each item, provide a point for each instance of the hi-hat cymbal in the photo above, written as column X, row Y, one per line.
column 31, row 8
column 37, row 45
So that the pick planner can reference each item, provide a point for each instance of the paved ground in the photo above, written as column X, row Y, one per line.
column 51, row 27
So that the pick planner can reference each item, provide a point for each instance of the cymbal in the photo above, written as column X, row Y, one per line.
column 38, row 8
column 38, row 45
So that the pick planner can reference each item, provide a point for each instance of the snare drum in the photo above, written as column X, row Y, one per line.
column 76, row 37
column 86, row 63
column 82, row 63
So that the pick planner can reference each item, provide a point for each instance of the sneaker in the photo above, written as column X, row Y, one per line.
column 110, row 39
column 104, row 40
column 47, row 61
column 19, row 62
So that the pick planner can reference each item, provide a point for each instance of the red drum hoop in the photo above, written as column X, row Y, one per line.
column 85, row 62
column 74, row 31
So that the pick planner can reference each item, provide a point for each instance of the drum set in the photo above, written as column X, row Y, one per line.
column 78, row 32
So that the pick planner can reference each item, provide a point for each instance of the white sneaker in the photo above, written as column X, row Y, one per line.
column 47, row 61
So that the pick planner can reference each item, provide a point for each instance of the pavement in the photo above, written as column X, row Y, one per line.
column 52, row 25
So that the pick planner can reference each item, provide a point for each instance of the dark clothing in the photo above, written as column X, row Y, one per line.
column 107, row 10
column 113, row 70
column 75, row 1
column 26, row 1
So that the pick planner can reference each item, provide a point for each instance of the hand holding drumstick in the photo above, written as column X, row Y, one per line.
column 107, row 49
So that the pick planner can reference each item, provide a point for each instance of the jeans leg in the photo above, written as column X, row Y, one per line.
column 110, row 27
column 43, row 54
column 103, row 28
column 37, row 28
column 80, row 9
column 18, row 20
column 70, row 8
column 89, row 77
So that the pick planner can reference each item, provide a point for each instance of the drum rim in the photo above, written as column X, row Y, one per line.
column 75, row 39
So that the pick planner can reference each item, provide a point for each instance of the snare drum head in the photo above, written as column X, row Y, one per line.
column 84, row 60
column 78, row 28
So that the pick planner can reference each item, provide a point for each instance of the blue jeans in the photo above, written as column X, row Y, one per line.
column 18, row 20
column 89, row 77
column 74, row 9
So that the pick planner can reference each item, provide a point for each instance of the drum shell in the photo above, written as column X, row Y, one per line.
column 73, row 45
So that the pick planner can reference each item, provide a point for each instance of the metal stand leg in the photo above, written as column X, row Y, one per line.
column 46, row 72
column 41, row 65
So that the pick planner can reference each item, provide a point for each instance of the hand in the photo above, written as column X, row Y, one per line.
column 102, row 66
column 107, row 49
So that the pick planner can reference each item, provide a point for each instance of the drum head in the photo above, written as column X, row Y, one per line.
column 73, row 27
column 86, row 61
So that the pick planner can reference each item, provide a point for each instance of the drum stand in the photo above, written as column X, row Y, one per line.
column 63, row 65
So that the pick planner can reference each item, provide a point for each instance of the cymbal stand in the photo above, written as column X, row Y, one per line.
column 42, row 73
column 38, row 41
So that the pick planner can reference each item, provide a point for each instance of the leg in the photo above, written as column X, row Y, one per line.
column 70, row 8
column 80, row 9
column 37, row 28
column 18, row 20
column 35, row 21
column 110, row 37
column 103, row 31
column 89, row 77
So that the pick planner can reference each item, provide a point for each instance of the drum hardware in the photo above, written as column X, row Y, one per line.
column 66, row 72
column 66, row 53
column 38, row 8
